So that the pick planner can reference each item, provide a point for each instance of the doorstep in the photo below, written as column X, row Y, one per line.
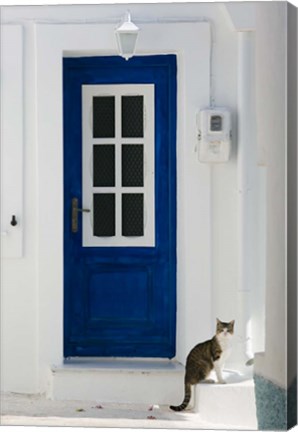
column 149, row 381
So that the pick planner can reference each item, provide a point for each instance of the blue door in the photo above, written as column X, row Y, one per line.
column 120, row 206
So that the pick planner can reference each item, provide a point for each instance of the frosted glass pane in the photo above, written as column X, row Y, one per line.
column 132, row 215
column 103, row 215
column 103, row 165
column 132, row 117
column 132, row 165
column 103, row 117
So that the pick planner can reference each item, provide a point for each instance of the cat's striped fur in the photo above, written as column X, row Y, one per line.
column 205, row 357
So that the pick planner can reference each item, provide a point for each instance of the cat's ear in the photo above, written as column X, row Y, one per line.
column 232, row 323
column 218, row 321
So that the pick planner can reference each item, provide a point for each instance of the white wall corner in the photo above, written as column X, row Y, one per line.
column 240, row 16
column 271, row 51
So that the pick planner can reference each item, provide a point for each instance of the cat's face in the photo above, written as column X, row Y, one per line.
column 223, row 329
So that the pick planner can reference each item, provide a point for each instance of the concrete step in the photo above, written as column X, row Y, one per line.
column 232, row 403
column 155, row 382
column 117, row 381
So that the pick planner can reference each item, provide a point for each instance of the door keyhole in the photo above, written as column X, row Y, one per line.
column 13, row 221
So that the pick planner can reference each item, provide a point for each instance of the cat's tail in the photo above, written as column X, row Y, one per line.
column 185, row 401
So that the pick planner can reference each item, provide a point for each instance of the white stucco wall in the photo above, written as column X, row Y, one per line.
column 19, row 289
column 207, row 275
column 272, row 149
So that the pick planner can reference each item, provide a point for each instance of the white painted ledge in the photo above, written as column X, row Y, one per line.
column 232, row 403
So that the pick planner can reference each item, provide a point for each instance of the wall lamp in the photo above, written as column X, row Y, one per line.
column 127, row 35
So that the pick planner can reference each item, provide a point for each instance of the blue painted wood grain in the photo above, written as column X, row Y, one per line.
column 146, row 318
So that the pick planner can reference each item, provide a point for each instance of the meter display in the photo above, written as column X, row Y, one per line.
column 216, row 123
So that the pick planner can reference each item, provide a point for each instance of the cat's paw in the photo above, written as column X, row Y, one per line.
column 222, row 381
column 208, row 381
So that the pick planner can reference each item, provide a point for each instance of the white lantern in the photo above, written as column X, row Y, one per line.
column 126, row 35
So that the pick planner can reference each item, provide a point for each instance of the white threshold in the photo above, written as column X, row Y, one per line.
column 120, row 364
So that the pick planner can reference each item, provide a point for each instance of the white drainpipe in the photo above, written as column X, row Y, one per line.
column 246, row 138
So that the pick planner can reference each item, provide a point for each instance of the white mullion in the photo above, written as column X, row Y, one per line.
column 99, row 141
column 103, row 189
column 87, row 155
column 149, row 160
column 118, row 167
column 133, row 189
column 90, row 220
column 132, row 141
column 144, row 188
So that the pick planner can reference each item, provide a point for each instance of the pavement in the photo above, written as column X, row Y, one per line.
column 36, row 410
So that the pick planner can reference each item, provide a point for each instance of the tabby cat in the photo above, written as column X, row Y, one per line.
column 205, row 357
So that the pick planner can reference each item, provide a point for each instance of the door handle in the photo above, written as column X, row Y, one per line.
column 74, row 214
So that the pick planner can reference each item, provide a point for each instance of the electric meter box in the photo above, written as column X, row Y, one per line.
column 214, row 125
